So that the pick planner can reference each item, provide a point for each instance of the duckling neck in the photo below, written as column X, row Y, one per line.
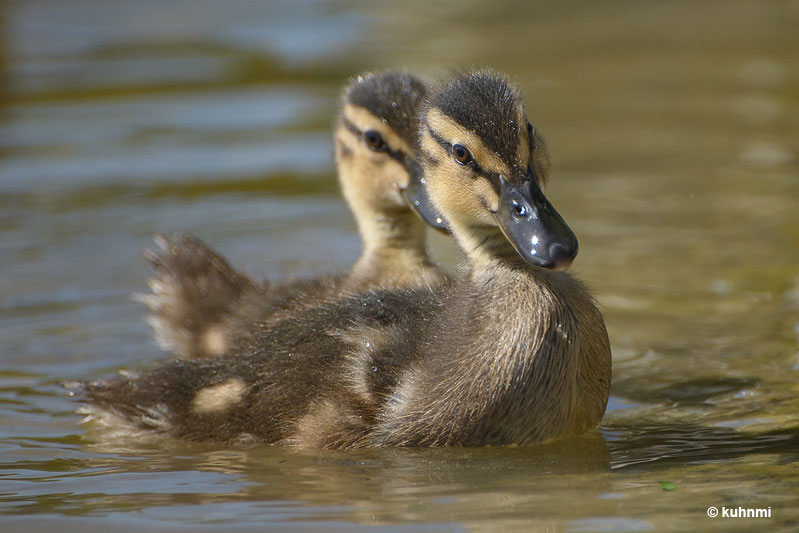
column 487, row 248
column 394, row 252
column 553, row 350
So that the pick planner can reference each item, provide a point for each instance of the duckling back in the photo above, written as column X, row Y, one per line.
column 389, row 368
column 345, row 351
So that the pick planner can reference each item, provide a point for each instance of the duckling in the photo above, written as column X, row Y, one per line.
column 199, row 300
column 513, row 351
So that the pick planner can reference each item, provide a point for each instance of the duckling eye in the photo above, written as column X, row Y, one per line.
column 373, row 140
column 462, row 154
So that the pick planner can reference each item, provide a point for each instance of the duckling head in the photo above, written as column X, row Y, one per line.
column 485, row 166
column 375, row 138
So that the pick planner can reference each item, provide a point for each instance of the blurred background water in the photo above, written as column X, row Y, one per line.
column 674, row 132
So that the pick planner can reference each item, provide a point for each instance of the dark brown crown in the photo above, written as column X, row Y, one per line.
column 486, row 103
column 394, row 96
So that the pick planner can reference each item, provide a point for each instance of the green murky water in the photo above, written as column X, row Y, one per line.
column 674, row 133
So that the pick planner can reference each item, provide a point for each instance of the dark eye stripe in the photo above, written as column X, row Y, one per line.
column 492, row 177
column 428, row 157
column 350, row 126
column 439, row 139
column 397, row 155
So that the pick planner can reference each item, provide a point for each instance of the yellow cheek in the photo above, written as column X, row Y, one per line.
column 395, row 174
column 373, row 179
column 485, row 192
column 459, row 197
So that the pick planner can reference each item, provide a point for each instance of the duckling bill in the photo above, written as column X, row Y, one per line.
column 537, row 232
column 513, row 351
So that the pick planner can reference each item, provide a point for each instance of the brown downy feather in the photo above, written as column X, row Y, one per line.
column 508, row 353
column 198, row 303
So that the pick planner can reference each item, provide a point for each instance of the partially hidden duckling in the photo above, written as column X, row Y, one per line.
column 512, row 351
column 199, row 302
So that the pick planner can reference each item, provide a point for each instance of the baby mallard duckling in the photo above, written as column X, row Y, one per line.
column 199, row 302
column 512, row 351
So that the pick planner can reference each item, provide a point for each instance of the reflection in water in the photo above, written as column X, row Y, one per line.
column 385, row 486
column 672, row 132
column 645, row 446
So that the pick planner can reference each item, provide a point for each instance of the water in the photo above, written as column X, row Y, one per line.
column 673, row 132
